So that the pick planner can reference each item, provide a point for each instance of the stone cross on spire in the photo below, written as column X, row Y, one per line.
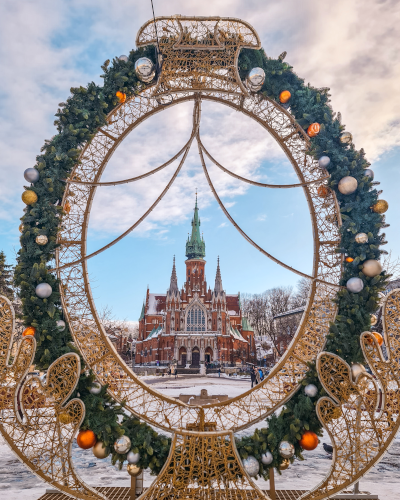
column 195, row 246
column 218, row 280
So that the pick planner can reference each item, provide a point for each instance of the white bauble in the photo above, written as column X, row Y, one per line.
column 361, row 238
column 123, row 58
column 369, row 173
column 311, row 390
column 267, row 458
column 251, row 466
column 133, row 458
column 43, row 290
column 348, row 185
column 60, row 324
column 372, row 268
column 355, row 285
column 31, row 175
column 255, row 79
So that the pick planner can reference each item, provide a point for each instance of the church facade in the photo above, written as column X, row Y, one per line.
column 194, row 324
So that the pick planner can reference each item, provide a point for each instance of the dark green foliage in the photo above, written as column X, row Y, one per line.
column 6, row 278
column 77, row 121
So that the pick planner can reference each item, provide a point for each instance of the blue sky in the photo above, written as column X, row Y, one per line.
column 47, row 47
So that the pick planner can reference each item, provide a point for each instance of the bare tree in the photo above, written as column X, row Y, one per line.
column 391, row 265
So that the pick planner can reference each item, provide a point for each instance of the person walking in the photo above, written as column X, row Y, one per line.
column 261, row 374
column 219, row 371
column 252, row 377
column 257, row 375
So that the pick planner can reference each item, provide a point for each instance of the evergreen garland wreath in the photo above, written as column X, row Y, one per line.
column 77, row 121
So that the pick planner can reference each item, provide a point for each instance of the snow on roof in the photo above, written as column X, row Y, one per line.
column 156, row 303
column 232, row 313
column 290, row 312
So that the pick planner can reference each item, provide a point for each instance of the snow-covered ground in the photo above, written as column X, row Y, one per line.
column 17, row 483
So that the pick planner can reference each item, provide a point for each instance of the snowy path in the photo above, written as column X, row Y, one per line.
column 17, row 483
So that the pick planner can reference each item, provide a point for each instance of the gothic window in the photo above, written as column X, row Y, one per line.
column 196, row 319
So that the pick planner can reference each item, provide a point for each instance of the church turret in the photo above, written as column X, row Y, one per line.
column 173, row 287
column 195, row 246
column 218, row 280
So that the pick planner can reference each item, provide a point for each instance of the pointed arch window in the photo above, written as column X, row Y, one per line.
column 196, row 319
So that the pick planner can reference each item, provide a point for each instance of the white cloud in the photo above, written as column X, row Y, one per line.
column 224, row 224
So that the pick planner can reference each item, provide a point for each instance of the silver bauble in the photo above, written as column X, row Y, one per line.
column 133, row 458
column 144, row 69
column 324, row 161
column 251, row 466
column 286, row 449
column 348, row 185
column 267, row 458
column 31, row 175
column 122, row 445
column 123, row 58
column 355, row 285
column 361, row 238
column 41, row 239
column 95, row 389
column 60, row 325
column 133, row 470
column 357, row 369
column 369, row 173
column 346, row 138
column 43, row 290
column 311, row 390
column 255, row 79
column 372, row 268
column 99, row 450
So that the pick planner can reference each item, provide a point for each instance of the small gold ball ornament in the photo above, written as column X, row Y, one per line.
column 357, row 369
column 374, row 320
column 372, row 268
column 41, row 239
column 99, row 450
column 380, row 207
column 361, row 238
column 29, row 197
column 285, row 464
column 133, row 470
column 346, row 138
column 21, row 228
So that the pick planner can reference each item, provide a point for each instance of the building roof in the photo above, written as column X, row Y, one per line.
column 297, row 310
column 232, row 304
column 157, row 302
column 195, row 246
column 246, row 325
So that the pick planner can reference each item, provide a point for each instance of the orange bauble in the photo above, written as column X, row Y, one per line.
column 349, row 259
column 323, row 191
column 121, row 96
column 67, row 207
column 284, row 96
column 378, row 337
column 309, row 441
column 313, row 129
column 29, row 331
column 86, row 439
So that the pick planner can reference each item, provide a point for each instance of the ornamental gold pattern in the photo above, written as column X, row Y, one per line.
column 30, row 411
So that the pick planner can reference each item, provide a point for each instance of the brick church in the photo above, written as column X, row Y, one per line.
column 194, row 324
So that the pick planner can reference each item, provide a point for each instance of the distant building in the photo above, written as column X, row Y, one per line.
column 195, row 324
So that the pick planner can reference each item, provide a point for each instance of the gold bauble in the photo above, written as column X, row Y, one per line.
column 357, row 369
column 380, row 206
column 65, row 418
column 346, row 138
column 361, row 238
column 29, row 197
column 133, row 470
column 372, row 268
column 21, row 228
column 99, row 450
column 374, row 320
column 41, row 239
column 285, row 464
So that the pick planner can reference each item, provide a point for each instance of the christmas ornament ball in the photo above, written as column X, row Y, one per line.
column 95, row 389
column 380, row 207
column 122, row 445
column 60, row 324
column 309, row 441
column 86, row 439
column 255, row 79
column 99, row 450
column 285, row 464
column 133, row 470
column 43, row 290
column 348, row 185
column 144, row 69
column 311, row 390
column 286, row 449
column 346, row 138
column 372, row 268
column 21, row 228
column 354, row 285
column 41, row 239
column 133, row 458
column 369, row 173
column 284, row 96
column 349, row 259
column 378, row 337
column 357, row 369
column 374, row 320
column 251, row 466
column 361, row 238
column 123, row 58
column 121, row 96
column 29, row 197
column 267, row 458
column 31, row 330
column 324, row 161
column 313, row 129
column 31, row 175
column 323, row 191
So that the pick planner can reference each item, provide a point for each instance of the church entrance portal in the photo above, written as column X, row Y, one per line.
column 195, row 357
column 182, row 356
column 208, row 355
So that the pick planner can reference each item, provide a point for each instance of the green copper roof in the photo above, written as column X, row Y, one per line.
column 246, row 325
column 142, row 313
column 195, row 246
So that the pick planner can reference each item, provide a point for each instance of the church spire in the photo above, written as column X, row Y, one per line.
column 218, row 280
column 173, row 287
column 195, row 246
